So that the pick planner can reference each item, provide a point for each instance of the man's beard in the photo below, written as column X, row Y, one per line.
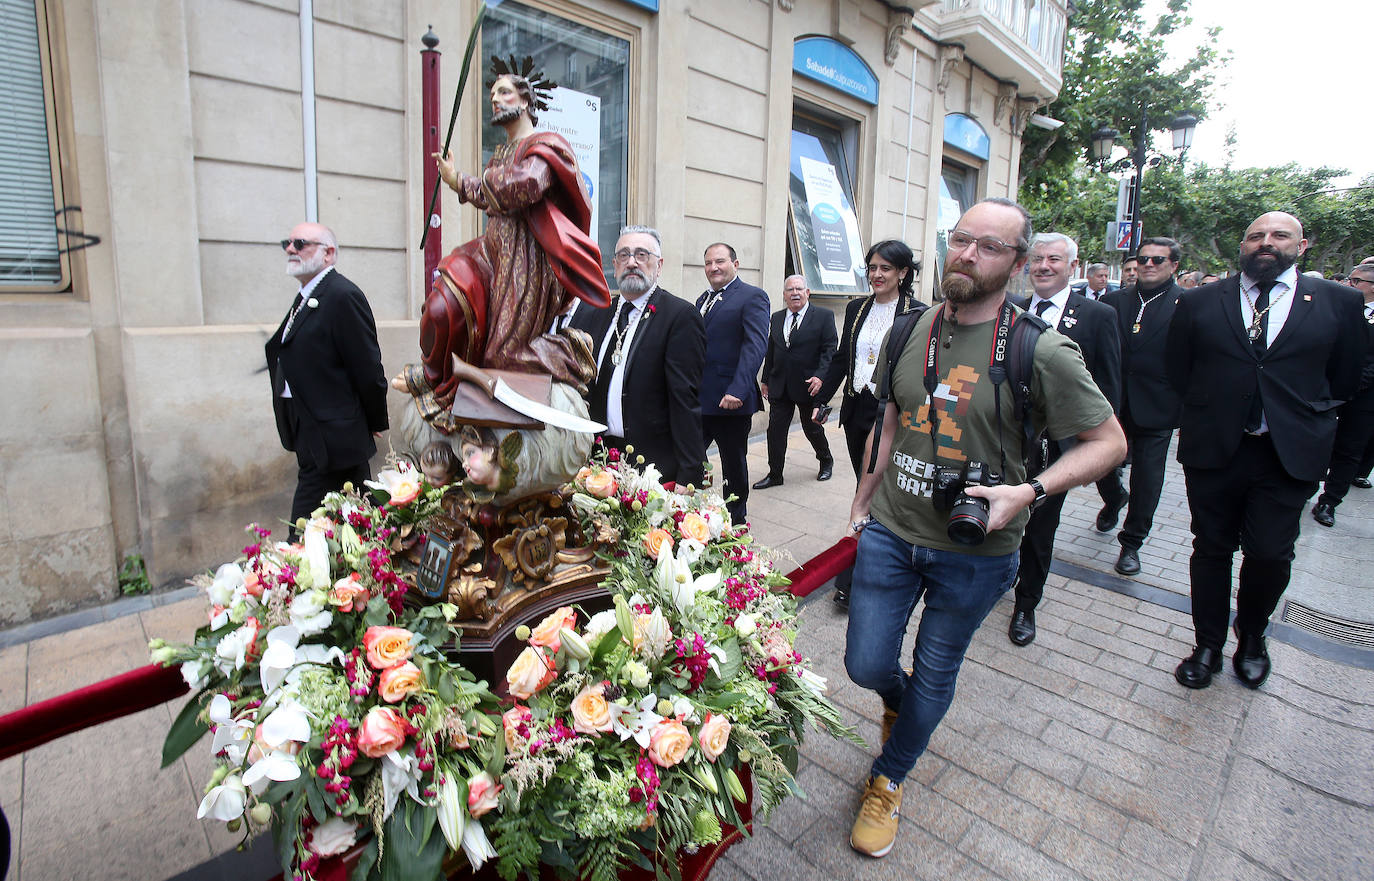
column 306, row 268
column 1250, row 264
column 633, row 283
column 973, row 286
column 507, row 113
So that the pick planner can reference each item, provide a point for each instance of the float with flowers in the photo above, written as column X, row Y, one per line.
column 631, row 731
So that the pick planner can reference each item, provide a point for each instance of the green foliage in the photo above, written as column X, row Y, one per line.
column 133, row 576
column 188, row 727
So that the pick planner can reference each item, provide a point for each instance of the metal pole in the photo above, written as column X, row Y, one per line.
column 1138, row 157
column 429, row 109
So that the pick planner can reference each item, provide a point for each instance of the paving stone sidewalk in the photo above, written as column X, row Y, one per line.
column 1077, row 757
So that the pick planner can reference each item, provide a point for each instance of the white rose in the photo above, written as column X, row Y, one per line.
column 310, row 612
column 745, row 625
column 599, row 625
column 333, row 836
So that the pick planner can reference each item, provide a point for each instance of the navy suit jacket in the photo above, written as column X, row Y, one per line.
column 1310, row 368
column 736, row 337
column 333, row 364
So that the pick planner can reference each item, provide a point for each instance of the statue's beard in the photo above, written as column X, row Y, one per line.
column 506, row 114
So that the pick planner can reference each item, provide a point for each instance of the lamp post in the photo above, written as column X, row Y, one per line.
column 1104, row 139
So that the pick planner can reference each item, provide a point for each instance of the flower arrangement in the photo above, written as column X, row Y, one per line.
column 630, row 727
column 333, row 708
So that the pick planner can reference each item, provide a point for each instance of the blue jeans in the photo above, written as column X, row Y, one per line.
column 889, row 577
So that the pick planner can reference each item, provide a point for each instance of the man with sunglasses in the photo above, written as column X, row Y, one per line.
column 1262, row 360
column 1149, row 404
column 944, row 411
column 328, row 388
column 1355, row 426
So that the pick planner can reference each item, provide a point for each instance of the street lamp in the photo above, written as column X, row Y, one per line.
column 1104, row 139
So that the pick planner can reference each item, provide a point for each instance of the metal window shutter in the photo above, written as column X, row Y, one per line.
column 28, row 229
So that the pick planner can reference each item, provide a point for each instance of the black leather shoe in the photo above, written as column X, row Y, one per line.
column 1362, row 483
column 841, row 597
column 827, row 469
column 1128, row 563
column 1251, row 660
column 768, row 481
column 1197, row 670
column 1324, row 514
column 1107, row 517
column 1022, row 629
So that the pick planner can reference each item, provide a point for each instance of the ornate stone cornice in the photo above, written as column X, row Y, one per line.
column 786, row 5
column 1006, row 94
column 898, row 20
column 1025, row 109
column 950, row 58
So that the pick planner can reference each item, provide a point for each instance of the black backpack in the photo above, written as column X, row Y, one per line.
column 1025, row 333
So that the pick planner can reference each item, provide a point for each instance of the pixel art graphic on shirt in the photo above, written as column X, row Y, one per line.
column 953, row 397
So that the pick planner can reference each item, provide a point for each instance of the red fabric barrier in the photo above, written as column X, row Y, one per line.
column 117, row 696
column 823, row 567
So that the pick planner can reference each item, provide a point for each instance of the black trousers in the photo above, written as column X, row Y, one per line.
column 313, row 484
column 1350, row 457
column 731, row 434
column 1254, row 504
column 1037, row 552
column 1149, row 452
column 780, row 412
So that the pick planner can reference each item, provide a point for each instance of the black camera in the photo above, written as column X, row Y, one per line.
column 968, row 515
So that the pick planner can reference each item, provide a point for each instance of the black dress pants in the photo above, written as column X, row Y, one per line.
column 1149, row 455
column 1037, row 552
column 1252, row 503
column 731, row 434
column 780, row 412
column 313, row 484
column 1354, row 448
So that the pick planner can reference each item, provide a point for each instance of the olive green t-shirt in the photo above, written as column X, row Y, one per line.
column 1064, row 399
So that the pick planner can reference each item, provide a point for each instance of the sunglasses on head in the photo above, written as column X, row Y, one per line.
column 298, row 244
column 1156, row 259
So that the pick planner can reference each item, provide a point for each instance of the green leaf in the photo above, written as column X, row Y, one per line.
column 729, row 668
column 609, row 641
column 447, row 688
column 497, row 760
column 367, row 862
column 412, row 853
column 187, row 728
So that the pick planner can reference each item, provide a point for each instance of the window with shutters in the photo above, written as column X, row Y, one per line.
column 33, row 250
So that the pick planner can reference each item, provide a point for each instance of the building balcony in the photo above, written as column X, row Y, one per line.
column 1017, row 40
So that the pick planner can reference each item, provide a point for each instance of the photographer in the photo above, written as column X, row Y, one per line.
column 948, row 424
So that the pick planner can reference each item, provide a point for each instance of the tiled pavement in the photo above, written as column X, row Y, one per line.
column 1077, row 757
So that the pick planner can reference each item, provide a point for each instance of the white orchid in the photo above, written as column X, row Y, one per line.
column 400, row 773
column 274, row 765
column 279, row 657
column 288, row 722
column 228, row 582
column 452, row 810
column 476, row 845
column 224, row 802
column 232, row 736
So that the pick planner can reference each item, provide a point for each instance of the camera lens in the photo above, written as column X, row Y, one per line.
column 968, row 520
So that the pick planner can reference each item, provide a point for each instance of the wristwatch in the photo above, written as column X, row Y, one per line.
column 1040, row 495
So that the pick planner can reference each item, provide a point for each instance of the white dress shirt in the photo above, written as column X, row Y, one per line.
column 304, row 293
column 1058, row 302
column 615, row 420
column 1280, row 302
column 787, row 321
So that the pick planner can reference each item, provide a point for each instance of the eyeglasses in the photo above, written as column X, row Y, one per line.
column 1354, row 280
column 639, row 254
column 987, row 246
column 1156, row 259
column 298, row 244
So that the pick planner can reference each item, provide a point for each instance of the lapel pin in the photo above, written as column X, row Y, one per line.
column 1307, row 297
column 315, row 304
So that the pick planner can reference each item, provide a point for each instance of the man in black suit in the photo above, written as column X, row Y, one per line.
column 1149, row 404
column 1053, row 257
column 1355, row 429
column 328, row 388
column 736, row 317
column 801, row 344
column 1096, row 285
column 1262, row 360
column 650, row 349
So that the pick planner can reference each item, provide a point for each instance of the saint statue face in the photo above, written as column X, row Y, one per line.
column 506, row 103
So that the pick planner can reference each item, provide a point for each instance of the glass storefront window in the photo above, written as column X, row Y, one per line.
column 958, row 192
column 823, row 236
column 590, row 108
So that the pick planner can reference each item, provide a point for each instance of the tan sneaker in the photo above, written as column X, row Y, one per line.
column 875, row 829
column 889, row 721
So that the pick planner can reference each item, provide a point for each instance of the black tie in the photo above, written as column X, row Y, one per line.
column 791, row 328
column 1260, row 344
column 596, row 402
column 1042, row 307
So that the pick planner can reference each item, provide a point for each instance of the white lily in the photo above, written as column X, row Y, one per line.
column 636, row 722
column 400, row 773
column 674, row 577
column 224, row 802
column 476, row 845
column 317, row 553
column 452, row 810
column 814, row 683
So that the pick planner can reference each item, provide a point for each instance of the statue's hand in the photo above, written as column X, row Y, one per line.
column 398, row 382
column 446, row 169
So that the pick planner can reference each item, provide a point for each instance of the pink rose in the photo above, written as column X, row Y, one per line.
column 397, row 682
column 252, row 584
column 713, row 736
column 600, row 484
column 349, row 594
column 668, row 743
column 511, row 720
column 482, row 792
column 591, row 714
column 382, row 732
column 546, row 634
column 387, row 646
column 530, row 673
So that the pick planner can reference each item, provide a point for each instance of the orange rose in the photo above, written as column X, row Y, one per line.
column 530, row 673
column 668, row 743
column 397, row 682
column 591, row 714
column 713, row 736
column 546, row 634
column 511, row 720
column 252, row 583
column 383, row 731
column 349, row 594
column 695, row 527
column 655, row 540
column 387, row 646
column 600, row 484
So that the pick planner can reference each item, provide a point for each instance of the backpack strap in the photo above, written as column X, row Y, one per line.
column 896, row 343
column 1025, row 333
